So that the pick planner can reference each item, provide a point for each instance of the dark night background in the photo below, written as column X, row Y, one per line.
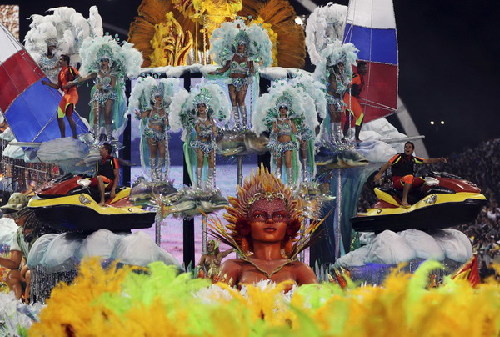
column 448, row 51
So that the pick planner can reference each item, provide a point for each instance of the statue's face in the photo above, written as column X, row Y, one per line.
column 268, row 220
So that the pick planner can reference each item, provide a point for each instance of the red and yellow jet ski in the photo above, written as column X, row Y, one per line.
column 445, row 200
column 70, row 204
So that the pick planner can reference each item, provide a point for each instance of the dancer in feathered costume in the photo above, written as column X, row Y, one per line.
column 198, row 112
column 240, row 49
column 150, row 101
column 306, row 126
column 61, row 32
column 279, row 112
column 335, row 70
column 324, row 25
column 108, row 63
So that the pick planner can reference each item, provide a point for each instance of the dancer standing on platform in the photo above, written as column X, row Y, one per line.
column 352, row 100
column 279, row 112
column 306, row 126
column 108, row 63
column 67, row 80
column 205, row 143
column 239, row 49
column 336, row 72
column 150, row 99
column 198, row 113
column 281, row 143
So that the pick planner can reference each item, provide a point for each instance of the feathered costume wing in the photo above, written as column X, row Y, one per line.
column 67, row 27
column 324, row 25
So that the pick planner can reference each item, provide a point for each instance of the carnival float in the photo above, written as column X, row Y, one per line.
column 178, row 115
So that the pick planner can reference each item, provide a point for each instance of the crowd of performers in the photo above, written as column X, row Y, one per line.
column 239, row 51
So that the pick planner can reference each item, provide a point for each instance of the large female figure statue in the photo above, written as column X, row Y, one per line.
column 264, row 225
column 108, row 63
column 150, row 101
column 279, row 112
column 199, row 112
column 335, row 72
column 239, row 49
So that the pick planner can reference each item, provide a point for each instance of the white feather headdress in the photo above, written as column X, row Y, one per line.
column 298, row 102
column 184, row 105
column 324, row 25
column 333, row 54
column 225, row 39
column 124, row 58
column 66, row 27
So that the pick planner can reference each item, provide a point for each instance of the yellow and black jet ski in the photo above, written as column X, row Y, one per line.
column 70, row 204
column 443, row 201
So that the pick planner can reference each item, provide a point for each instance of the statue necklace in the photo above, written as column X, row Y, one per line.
column 268, row 274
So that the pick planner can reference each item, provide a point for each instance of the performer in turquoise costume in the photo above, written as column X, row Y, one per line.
column 150, row 101
column 199, row 112
column 307, row 126
column 108, row 63
column 282, row 112
column 240, row 49
column 335, row 71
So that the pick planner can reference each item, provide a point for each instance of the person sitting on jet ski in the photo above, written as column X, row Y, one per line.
column 402, row 166
column 107, row 172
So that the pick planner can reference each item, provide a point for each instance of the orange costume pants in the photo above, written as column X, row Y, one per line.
column 68, row 98
column 354, row 108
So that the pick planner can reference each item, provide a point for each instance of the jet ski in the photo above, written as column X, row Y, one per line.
column 71, row 205
column 443, row 201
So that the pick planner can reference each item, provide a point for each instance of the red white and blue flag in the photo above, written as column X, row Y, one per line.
column 371, row 27
column 29, row 107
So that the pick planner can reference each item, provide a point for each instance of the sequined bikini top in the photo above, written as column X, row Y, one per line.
column 239, row 67
column 156, row 118
column 284, row 129
column 205, row 130
column 104, row 80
